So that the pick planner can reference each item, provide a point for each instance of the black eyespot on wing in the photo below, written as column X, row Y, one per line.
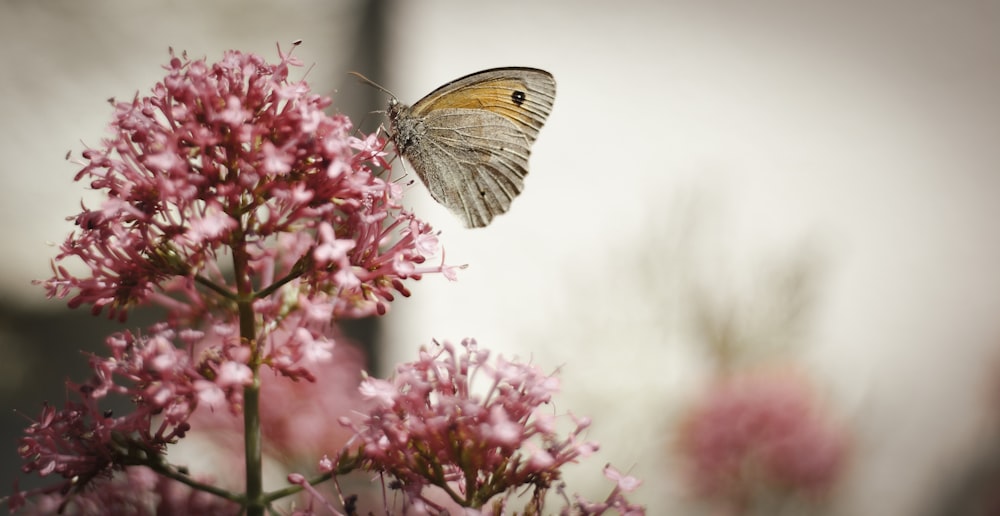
column 518, row 97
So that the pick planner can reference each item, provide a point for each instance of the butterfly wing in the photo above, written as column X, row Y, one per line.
column 473, row 162
column 476, row 137
column 521, row 95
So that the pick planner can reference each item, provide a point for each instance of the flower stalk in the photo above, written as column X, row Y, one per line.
column 253, row 450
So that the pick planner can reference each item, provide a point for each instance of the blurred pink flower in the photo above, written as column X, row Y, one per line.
column 299, row 419
column 761, row 430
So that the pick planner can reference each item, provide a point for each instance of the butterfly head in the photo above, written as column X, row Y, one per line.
column 394, row 110
column 405, row 130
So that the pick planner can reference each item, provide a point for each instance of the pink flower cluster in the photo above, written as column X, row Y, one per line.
column 760, row 431
column 233, row 157
column 429, row 426
column 87, row 440
column 256, row 220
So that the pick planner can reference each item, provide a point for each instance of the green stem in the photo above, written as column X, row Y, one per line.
column 209, row 284
column 252, row 441
column 296, row 272
column 290, row 490
column 170, row 472
column 251, row 393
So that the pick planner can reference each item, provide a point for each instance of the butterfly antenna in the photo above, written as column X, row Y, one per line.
column 372, row 83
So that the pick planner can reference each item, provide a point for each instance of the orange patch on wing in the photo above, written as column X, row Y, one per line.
column 493, row 95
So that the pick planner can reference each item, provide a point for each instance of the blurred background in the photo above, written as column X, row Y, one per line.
column 725, row 191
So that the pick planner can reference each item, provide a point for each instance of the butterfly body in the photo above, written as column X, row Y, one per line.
column 469, row 140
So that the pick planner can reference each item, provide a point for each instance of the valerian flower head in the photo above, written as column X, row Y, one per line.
column 429, row 426
column 761, row 433
column 87, row 440
column 234, row 158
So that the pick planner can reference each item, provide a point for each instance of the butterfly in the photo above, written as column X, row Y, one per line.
column 469, row 140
